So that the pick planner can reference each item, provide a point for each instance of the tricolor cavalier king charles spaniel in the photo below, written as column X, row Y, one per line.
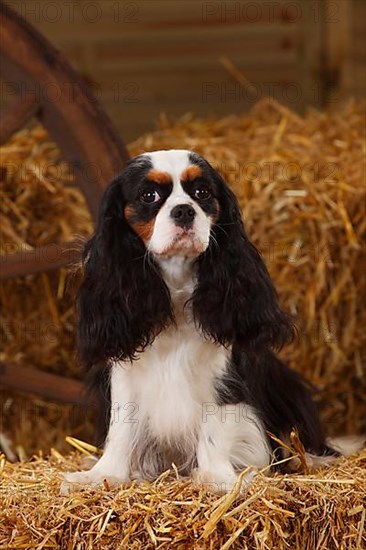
column 178, row 320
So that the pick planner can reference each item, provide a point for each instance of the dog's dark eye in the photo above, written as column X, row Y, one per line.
column 150, row 196
column 202, row 193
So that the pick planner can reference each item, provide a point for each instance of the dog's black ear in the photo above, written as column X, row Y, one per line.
column 234, row 300
column 123, row 302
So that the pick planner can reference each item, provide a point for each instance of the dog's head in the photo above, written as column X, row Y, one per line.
column 167, row 204
column 171, row 202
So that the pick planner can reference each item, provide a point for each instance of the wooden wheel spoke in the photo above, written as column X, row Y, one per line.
column 42, row 258
column 51, row 386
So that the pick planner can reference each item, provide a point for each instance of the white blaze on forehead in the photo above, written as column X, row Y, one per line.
column 166, row 232
column 173, row 161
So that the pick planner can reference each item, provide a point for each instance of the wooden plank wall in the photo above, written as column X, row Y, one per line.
column 144, row 57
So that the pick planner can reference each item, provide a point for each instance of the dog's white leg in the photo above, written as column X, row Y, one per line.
column 231, row 439
column 214, row 470
column 114, row 465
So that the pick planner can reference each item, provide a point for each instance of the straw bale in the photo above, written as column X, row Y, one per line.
column 323, row 510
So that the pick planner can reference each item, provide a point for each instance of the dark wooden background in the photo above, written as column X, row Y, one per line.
column 144, row 57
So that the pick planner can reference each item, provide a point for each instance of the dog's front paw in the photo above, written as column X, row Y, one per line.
column 94, row 478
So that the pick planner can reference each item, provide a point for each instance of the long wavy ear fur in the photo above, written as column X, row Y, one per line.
column 235, row 301
column 123, row 302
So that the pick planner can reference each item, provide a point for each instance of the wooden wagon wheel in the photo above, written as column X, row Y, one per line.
column 87, row 140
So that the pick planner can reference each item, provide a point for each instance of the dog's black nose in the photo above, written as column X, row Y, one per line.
column 183, row 215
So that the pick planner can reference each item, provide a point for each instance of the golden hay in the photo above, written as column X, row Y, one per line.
column 39, row 206
column 324, row 511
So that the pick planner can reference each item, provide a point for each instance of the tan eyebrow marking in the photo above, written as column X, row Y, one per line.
column 191, row 173
column 162, row 178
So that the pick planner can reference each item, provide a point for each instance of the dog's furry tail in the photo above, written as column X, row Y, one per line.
column 347, row 445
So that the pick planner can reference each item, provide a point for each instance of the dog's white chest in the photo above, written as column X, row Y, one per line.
column 174, row 379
